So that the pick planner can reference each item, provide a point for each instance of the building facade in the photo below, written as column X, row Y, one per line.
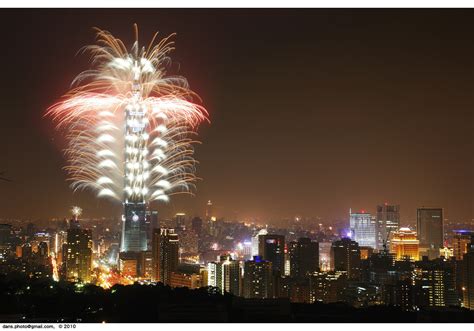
column 364, row 229
column 345, row 255
column 78, row 255
column 388, row 220
column 271, row 247
column 303, row 257
column 429, row 225
column 165, row 254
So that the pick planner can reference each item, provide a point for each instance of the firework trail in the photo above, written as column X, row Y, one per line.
column 130, row 127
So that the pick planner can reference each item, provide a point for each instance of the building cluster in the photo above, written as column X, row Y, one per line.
column 375, row 261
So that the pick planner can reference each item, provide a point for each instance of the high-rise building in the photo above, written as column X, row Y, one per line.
column 165, row 254
column 404, row 244
column 429, row 225
column 345, row 255
column 271, row 247
column 364, row 229
column 460, row 242
column 304, row 257
column 255, row 241
column 435, row 282
column 134, row 228
column 258, row 279
column 468, row 276
column 225, row 275
column 388, row 220
column 78, row 255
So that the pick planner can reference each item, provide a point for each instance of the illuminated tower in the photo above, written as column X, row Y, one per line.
column 129, row 128
column 134, row 231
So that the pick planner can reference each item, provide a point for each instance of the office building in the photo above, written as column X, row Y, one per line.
column 345, row 255
column 388, row 220
column 435, row 282
column 165, row 254
column 258, row 279
column 363, row 228
column 255, row 241
column 429, row 226
column 271, row 247
column 304, row 257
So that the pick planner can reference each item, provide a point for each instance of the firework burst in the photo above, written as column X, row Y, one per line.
column 130, row 127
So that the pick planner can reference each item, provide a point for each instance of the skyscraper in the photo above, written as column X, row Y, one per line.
column 429, row 225
column 364, row 229
column 78, row 255
column 345, row 255
column 255, row 241
column 304, row 257
column 271, row 247
column 165, row 254
column 258, row 279
column 388, row 220
column 225, row 275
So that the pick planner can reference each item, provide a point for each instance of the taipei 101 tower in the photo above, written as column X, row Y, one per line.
column 131, row 129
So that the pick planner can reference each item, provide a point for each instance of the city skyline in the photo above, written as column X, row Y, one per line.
column 374, row 111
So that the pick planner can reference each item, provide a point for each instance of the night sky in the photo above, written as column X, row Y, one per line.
column 313, row 111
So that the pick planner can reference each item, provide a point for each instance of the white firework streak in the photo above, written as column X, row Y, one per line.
column 130, row 128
